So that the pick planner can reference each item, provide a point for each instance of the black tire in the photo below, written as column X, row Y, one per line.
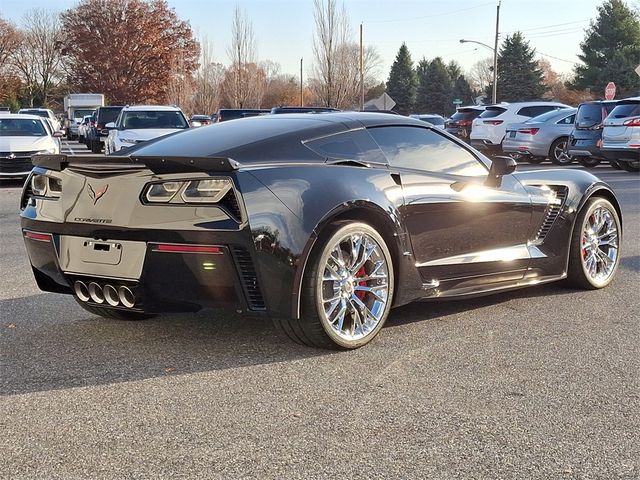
column 577, row 275
column 589, row 162
column 311, row 329
column 615, row 164
column 557, row 158
column 95, row 147
column 80, row 139
column 113, row 313
column 630, row 166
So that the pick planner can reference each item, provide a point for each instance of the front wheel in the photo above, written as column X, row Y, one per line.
column 558, row 152
column 589, row 162
column 347, row 289
column 595, row 245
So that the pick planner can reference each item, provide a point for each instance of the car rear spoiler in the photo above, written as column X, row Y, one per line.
column 159, row 165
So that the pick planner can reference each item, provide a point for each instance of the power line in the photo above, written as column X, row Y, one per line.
column 545, row 27
column 555, row 58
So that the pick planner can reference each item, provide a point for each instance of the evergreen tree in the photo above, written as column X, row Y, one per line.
column 454, row 69
column 519, row 77
column 401, row 85
column 462, row 90
column 435, row 97
column 611, row 51
column 422, row 92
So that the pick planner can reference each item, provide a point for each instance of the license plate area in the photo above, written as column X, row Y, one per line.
column 109, row 253
column 102, row 258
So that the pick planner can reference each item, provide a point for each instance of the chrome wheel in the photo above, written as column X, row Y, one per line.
column 599, row 245
column 354, row 287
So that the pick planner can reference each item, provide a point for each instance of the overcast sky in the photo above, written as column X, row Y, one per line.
column 284, row 28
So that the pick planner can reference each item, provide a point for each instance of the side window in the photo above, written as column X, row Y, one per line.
column 535, row 111
column 423, row 149
column 353, row 145
column 567, row 120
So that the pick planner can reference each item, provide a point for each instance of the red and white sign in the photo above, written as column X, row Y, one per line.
column 610, row 91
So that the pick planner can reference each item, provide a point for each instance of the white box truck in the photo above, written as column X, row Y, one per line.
column 76, row 106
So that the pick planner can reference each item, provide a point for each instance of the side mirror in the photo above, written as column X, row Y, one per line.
column 110, row 125
column 58, row 134
column 500, row 166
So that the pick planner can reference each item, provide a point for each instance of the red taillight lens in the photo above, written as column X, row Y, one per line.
column 100, row 126
column 634, row 122
column 187, row 248
column 92, row 124
column 530, row 131
column 464, row 123
column 493, row 122
column 40, row 237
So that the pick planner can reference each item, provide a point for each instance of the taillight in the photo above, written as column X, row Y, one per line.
column 100, row 126
column 530, row 131
column 493, row 122
column 464, row 123
column 92, row 124
column 39, row 237
column 634, row 122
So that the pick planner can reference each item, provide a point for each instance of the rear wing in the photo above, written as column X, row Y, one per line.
column 159, row 165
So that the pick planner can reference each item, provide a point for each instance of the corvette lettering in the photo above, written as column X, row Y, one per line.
column 92, row 220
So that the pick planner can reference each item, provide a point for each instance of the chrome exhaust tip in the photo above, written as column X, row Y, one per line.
column 111, row 295
column 81, row 290
column 126, row 296
column 95, row 292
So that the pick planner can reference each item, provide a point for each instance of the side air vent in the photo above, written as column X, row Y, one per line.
column 553, row 210
column 230, row 203
column 248, row 277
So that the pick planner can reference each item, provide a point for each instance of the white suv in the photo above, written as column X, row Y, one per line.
column 488, row 130
column 142, row 123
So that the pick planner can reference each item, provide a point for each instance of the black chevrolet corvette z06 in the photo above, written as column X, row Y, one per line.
column 321, row 222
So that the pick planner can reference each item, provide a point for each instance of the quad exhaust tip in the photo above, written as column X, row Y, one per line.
column 112, row 295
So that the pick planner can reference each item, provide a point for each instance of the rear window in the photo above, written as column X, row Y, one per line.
column 534, row 111
column 106, row 115
column 589, row 114
column 491, row 112
column 465, row 114
column 626, row 110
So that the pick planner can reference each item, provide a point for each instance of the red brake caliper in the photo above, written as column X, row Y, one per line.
column 362, row 272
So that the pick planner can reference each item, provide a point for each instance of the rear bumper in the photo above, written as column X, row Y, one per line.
column 525, row 148
column 621, row 154
column 486, row 145
column 167, row 279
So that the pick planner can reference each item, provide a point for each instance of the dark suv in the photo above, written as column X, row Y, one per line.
column 459, row 124
column 586, row 138
column 225, row 114
column 95, row 137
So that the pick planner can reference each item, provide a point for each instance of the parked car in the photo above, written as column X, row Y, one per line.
column 142, row 123
column 22, row 136
column 541, row 137
column 432, row 118
column 459, row 124
column 586, row 137
column 225, row 114
column 97, row 133
column 621, row 135
column 84, row 127
column 43, row 112
column 321, row 222
column 200, row 120
column 278, row 110
column 488, row 130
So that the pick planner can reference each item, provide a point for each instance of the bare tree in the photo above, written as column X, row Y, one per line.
column 335, row 76
column 244, row 77
column 208, row 80
column 40, row 45
column 481, row 74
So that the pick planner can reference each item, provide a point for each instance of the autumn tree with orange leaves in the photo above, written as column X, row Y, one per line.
column 127, row 49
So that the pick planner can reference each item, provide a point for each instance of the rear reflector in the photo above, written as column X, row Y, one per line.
column 187, row 248
column 40, row 237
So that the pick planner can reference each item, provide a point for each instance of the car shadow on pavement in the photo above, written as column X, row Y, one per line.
column 47, row 342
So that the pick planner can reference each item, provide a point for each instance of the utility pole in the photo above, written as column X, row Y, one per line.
column 361, row 71
column 495, row 57
column 301, row 87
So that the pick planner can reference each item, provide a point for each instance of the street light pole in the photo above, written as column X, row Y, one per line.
column 495, row 57
column 494, row 49
column 301, row 85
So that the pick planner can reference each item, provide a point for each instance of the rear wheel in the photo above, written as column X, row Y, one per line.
column 595, row 245
column 589, row 162
column 615, row 164
column 95, row 147
column 112, row 313
column 631, row 166
column 558, row 152
column 347, row 289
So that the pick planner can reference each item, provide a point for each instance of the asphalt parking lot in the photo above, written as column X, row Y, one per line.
column 538, row 383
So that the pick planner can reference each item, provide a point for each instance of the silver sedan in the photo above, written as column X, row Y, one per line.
column 541, row 137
